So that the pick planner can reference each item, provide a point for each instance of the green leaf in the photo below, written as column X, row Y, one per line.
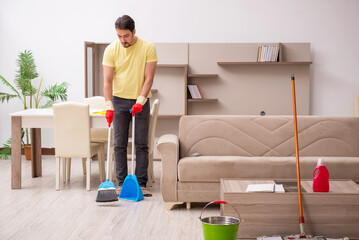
column 48, row 104
column 25, row 73
column 6, row 152
column 38, row 97
column 56, row 92
column 24, row 85
column 27, row 68
column 6, row 97
column 6, row 83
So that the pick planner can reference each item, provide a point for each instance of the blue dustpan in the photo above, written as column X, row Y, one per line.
column 131, row 190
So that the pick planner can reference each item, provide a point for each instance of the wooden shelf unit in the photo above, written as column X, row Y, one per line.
column 169, row 79
column 203, row 100
column 264, row 63
column 169, row 116
column 278, row 62
column 228, row 71
column 202, row 75
column 172, row 65
column 256, row 86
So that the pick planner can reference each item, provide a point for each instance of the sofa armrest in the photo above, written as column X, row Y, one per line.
column 168, row 147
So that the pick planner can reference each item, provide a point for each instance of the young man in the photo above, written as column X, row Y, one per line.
column 129, row 67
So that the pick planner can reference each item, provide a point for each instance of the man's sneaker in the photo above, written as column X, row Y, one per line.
column 146, row 192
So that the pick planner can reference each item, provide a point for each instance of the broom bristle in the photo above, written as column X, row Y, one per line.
column 106, row 195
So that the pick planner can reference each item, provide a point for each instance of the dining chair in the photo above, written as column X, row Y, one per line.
column 99, row 135
column 72, row 140
column 152, row 140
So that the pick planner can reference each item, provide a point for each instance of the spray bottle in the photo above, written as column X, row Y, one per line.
column 320, row 177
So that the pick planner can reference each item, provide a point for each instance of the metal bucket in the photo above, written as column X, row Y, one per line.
column 220, row 227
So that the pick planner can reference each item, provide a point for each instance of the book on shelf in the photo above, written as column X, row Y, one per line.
column 194, row 91
column 266, row 187
column 259, row 53
column 268, row 54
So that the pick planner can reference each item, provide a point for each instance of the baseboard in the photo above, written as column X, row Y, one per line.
column 44, row 151
column 51, row 151
column 48, row 151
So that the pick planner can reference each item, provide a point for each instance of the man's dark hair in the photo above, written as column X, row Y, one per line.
column 125, row 23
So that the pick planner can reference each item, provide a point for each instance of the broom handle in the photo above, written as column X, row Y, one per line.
column 301, row 218
column 108, row 152
column 133, row 141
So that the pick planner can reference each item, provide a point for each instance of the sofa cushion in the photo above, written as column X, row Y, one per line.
column 233, row 135
column 213, row 168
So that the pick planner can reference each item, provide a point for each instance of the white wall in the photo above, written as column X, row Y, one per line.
column 55, row 32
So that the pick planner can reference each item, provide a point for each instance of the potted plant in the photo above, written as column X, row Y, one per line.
column 24, row 90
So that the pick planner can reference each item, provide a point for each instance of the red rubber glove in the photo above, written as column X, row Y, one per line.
column 136, row 109
column 109, row 117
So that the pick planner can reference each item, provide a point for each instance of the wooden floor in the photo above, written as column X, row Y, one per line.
column 37, row 211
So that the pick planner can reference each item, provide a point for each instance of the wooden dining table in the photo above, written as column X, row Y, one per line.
column 36, row 119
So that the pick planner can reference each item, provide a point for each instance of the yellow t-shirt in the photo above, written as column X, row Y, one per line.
column 129, row 66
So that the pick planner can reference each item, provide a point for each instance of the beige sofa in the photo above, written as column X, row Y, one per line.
column 252, row 147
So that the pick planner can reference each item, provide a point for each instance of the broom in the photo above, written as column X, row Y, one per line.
column 107, row 190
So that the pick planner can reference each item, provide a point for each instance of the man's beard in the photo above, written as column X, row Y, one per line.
column 126, row 45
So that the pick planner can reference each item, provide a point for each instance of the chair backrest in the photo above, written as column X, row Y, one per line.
column 95, row 102
column 153, row 123
column 72, row 130
column 356, row 106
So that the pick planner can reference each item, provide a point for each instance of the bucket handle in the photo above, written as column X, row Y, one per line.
column 218, row 202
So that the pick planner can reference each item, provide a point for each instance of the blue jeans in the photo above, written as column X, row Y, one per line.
column 121, row 123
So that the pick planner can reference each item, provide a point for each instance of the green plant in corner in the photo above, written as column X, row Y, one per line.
column 24, row 90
